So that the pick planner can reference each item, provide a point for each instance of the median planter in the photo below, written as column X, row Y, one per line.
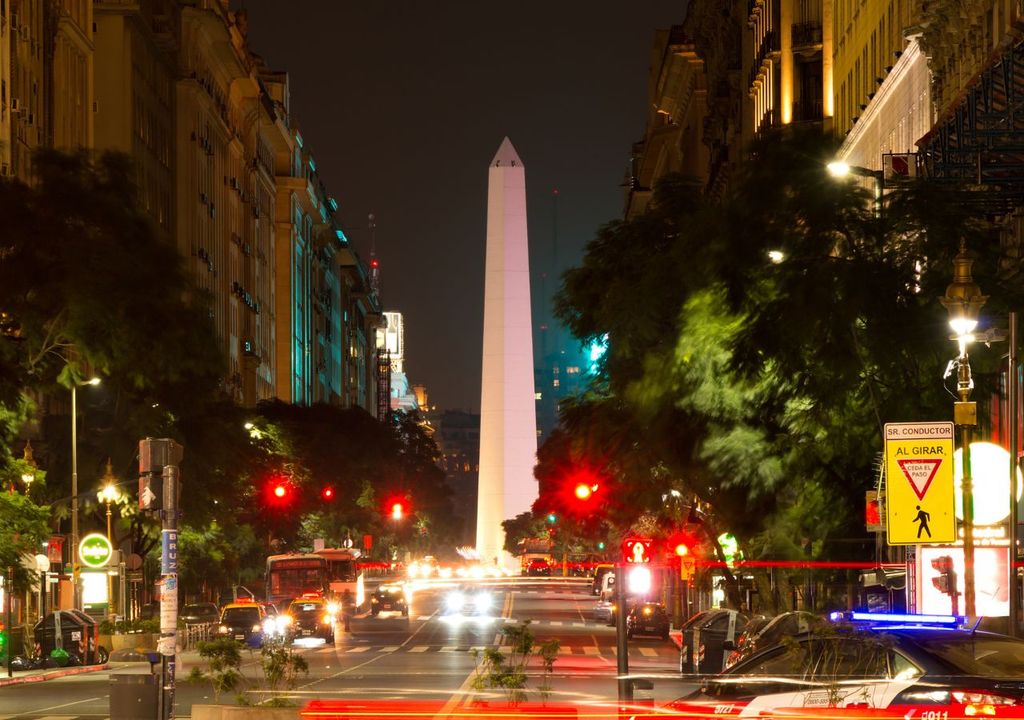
column 129, row 641
column 242, row 712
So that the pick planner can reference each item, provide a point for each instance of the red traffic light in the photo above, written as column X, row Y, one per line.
column 280, row 491
column 585, row 492
column 327, row 493
column 397, row 511
column 682, row 549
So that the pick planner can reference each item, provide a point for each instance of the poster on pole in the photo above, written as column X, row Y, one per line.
column 919, row 496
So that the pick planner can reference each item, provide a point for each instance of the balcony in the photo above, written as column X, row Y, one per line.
column 806, row 34
column 769, row 45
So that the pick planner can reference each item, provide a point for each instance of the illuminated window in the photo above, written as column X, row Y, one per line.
column 572, row 370
column 537, row 396
column 555, row 383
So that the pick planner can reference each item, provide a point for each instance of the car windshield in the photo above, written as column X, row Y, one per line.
column 980, row 655
column 198, row 610
column 241, row 615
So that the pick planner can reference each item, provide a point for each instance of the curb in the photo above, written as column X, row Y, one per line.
column 51, row 675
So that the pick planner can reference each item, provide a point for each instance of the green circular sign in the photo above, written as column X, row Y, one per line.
column 95, row 550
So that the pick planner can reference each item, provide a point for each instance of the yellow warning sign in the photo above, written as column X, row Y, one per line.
column 919, row 497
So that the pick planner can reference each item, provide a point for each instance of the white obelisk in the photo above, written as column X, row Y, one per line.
column 508, row 420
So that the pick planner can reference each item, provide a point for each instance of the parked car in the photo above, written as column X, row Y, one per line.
column 600, row 571
column 389, row 597
column 647, row 618
column 885, row 669
column 199, row 613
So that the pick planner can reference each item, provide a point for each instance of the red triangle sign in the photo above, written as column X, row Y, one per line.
column 920, row 472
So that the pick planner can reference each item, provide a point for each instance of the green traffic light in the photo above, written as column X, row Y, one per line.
column 552, row 517
column 600, row 546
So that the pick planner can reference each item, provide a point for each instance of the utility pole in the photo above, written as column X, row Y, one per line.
column 158, row 492
column 621, row 642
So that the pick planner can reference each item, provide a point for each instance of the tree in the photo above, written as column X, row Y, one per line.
column 752, row 384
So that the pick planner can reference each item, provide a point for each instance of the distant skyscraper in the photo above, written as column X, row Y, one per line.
column 508, row 423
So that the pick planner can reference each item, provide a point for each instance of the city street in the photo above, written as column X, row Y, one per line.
column 425, row 657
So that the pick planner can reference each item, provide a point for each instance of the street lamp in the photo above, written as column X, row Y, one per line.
column 963, row 301
column 76, row 586
column 109, row 494
column 29, row 476
column 840, row 169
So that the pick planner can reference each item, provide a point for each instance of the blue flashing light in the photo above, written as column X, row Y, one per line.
column 898, row 618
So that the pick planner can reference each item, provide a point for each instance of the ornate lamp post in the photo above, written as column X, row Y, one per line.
column 964, row 301
column 76, row 585
column 29, row 476
column 109, row 494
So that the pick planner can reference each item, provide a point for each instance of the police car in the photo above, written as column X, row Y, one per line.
column 912, row 667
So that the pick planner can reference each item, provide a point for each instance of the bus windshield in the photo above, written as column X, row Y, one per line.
column 342, row 570
column 291, row 577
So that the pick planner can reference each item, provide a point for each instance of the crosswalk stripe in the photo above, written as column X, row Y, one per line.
column 360, row 648
column 419, row 648
column 591, row 650
column 648, row 652
column 556, row 623
column 565, row 651
column 389, row 648
column 423, row 617
column 449, row 648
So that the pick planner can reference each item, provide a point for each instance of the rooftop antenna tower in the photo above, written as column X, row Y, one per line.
column 374, row 262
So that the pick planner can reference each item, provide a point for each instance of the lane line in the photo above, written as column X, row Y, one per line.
column 57, row 707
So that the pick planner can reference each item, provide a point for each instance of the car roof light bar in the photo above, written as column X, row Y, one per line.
column 898, row 618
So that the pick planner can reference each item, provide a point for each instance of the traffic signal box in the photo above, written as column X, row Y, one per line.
column 946, row 580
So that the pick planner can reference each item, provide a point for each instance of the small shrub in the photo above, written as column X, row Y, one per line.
column 223, row 658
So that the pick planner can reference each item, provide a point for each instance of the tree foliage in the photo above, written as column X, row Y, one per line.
column 758, row 388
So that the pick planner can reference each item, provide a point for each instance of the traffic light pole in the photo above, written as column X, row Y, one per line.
column 621, row 642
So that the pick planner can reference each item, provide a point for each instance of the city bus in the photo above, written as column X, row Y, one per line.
column 293, row 575
column 342, row 572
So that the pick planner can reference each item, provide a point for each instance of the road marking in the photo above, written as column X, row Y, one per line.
column 648, row 652
column 565, row 651
column 419, row 648
column 389, row 648
column 556, row 623
column 361, row 648
column 591, row 650
column 422, row 618
column 57, row 707
column 450, row 648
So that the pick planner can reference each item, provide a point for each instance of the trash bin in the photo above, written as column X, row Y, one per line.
column 133, row 693
column 92, row 637
column 686, row 650
column 74, row 636
column 710, row 636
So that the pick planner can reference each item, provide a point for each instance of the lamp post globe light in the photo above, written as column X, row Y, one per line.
column 75, row 570
column 29, row 476
column 963, row 301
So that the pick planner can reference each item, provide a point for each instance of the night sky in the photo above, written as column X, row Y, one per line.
column 404, row 103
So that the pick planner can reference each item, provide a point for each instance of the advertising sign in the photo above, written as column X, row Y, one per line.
column 919, row 483
column 95, row 550
column 169, row 553
column 991, row 580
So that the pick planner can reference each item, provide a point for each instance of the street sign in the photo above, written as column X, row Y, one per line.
column 687, row 566
column 95, row 550
column 636, row 550
column 919, row 483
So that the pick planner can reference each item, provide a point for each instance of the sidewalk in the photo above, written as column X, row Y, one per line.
column 31, row 676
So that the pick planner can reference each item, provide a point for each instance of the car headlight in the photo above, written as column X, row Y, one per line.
column 256, row 628
column 483, row 601
column 328, row 619
column 332, row 608
column 223, row 630
column 456, row 601
column 285, row 620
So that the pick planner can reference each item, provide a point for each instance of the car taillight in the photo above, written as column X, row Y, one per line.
column 976, row 703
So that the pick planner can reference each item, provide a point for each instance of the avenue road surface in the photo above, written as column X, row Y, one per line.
column 427, row 656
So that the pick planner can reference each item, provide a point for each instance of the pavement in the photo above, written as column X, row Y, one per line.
column 42, row 674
